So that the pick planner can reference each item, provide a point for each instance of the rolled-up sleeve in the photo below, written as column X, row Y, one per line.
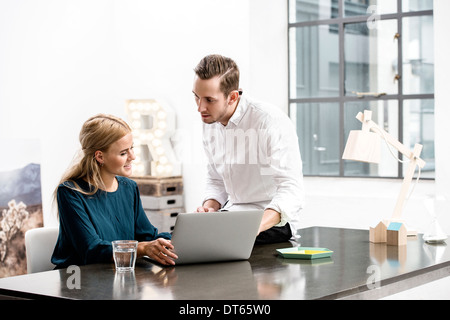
column 285, row 168
column 215, row 187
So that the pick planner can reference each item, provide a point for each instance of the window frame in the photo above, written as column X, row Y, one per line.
column 342, row 99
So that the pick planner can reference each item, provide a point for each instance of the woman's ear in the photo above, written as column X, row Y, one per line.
column 98, row 155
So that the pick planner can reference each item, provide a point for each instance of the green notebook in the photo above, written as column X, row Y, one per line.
column 307, row 253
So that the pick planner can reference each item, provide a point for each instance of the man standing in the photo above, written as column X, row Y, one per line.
column 252, row 150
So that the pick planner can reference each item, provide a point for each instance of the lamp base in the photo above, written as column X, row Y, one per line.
column 435, row 234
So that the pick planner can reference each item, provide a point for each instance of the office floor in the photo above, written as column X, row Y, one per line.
column 362, row 203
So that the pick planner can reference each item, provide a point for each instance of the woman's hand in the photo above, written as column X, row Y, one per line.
column 159, row 250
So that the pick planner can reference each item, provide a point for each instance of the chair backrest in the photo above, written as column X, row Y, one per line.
column 39, row 246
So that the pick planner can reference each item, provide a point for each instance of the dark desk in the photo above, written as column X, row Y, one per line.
column 352, row 272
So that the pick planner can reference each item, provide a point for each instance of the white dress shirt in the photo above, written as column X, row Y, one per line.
column 254, row 162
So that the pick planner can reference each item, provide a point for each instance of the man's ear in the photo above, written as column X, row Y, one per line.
column 233, row 97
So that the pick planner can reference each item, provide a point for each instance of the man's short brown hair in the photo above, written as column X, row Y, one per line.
column 219, row 66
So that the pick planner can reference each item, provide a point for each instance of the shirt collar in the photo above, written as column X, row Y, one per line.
column 239, row 112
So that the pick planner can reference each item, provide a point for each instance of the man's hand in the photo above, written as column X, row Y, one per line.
column 205, row 209
column 210, row 205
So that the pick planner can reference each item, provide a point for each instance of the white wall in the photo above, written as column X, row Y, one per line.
column 62, row 61
column 268, row 76
column 442, row 98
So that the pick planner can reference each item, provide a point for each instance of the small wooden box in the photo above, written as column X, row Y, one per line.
column 158, row 187
column 162, row 203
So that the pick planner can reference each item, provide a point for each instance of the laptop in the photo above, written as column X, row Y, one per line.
column 215, row 236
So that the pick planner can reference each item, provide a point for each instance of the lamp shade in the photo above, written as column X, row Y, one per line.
column 362, row 146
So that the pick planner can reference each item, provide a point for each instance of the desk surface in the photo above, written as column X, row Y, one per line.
column 353, row 271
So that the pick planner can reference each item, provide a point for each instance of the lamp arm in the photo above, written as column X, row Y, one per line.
column 371, row 125
column 408, row 176
column 413, row 156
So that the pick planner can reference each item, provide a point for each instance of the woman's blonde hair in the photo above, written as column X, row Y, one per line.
column 97, row 133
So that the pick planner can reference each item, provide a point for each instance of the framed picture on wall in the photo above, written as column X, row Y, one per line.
column 20, row 202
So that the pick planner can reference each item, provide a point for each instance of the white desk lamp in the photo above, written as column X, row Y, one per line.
column 363, row 145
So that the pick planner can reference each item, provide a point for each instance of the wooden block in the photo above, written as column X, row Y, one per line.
column 396, row 234
column 378, row 234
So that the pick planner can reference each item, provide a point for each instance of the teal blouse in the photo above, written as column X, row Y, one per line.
column 89, row 223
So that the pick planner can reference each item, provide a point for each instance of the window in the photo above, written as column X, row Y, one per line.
column 347, row 56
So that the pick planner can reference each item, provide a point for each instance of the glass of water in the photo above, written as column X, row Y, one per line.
column 124, row 253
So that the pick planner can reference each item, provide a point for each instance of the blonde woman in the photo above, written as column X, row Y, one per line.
column 98, row 204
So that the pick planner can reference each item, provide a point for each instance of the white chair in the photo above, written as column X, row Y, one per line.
column 39, row 246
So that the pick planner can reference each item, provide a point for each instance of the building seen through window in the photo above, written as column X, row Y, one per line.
column 347, row 56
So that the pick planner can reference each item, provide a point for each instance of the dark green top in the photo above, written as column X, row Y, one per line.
column 88, row 223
